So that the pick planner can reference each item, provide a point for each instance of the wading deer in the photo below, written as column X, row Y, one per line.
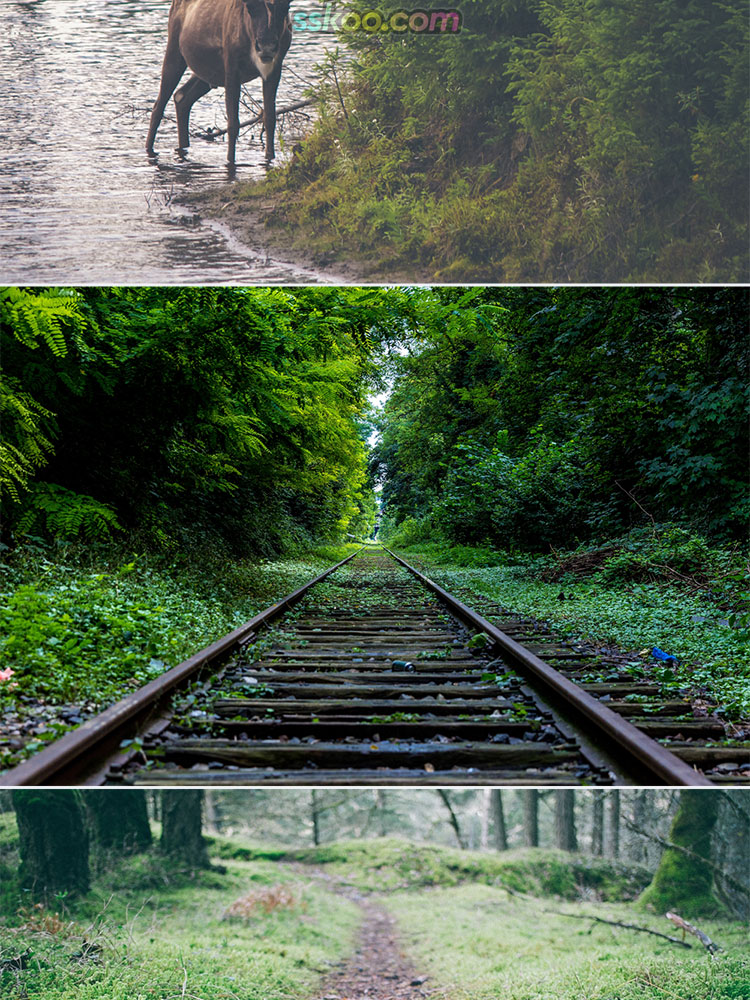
column 224, row 43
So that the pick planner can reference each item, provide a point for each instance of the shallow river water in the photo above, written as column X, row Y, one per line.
column 80, row 203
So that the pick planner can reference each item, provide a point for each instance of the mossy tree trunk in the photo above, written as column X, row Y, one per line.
column 683, row 882
column 565, row 820
column 54, row 843
column 182, row 827
column 119, row 819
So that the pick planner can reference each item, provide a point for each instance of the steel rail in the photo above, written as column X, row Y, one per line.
column 81, row 750
column 612, row 727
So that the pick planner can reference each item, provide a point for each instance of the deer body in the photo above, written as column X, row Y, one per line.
column 224, row 43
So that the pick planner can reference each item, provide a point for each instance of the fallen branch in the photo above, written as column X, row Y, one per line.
column 618, row 923
column 684, row 926
column 214, row 133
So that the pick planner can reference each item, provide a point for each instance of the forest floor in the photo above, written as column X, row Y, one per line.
column 353, row 921
column 690, row 623
column 379, row 968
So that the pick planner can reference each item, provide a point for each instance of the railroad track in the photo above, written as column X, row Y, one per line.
column 376, row 675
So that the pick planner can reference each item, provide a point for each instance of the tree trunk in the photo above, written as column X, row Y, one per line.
column 565, row 820
column 498, row 820
column 638, row 846
column 682, row 882
column 484, row 819
column 382, row 810
column 119, row 819
column 613, row 833
column 453, row 817
column 315, row 816
column 54, row 843
column 530, row 817
column 211, row 812
column 181, row 836
column 597, row 824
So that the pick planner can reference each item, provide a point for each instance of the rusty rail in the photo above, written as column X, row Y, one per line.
column 87, row 754
column 612, row 727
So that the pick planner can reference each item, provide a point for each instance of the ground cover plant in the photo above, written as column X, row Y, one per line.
column 391, row 864
column 164, row 933
column 489, row 943
column 81, row 629
column 713, row 658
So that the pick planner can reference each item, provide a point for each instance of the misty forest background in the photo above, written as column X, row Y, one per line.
column 175, row 459
column 521, row 893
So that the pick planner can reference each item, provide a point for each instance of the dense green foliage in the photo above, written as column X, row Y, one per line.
column 547, row 416
column 575, row 140
column 190, row 416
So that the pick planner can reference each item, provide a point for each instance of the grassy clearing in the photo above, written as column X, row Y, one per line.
column 634, row 615
column 393, row 864
column 481, row 944
column 87, row 630
column 162, row 936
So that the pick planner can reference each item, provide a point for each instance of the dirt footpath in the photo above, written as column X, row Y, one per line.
column 378, row 970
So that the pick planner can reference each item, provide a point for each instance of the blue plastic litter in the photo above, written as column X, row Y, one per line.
column 659, row 654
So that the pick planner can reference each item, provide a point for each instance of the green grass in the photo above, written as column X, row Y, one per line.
column 393, row 864
column 91, row 629
column 479, row 924
column 161, row 932
column 635, row 616
column 483, row 944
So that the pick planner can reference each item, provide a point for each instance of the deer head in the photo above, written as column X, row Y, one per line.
column 269, row 18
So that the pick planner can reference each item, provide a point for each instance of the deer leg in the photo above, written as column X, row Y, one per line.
column 270, row 86
column 173, row 68
column 232, row 89
column 184, row 100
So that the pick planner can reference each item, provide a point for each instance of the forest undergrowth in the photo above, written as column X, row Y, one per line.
column 526, row 927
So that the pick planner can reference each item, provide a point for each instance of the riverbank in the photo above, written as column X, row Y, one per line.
column 539, row 165
column 262, row 221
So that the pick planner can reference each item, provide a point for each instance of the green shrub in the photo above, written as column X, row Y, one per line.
column 534, row 501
